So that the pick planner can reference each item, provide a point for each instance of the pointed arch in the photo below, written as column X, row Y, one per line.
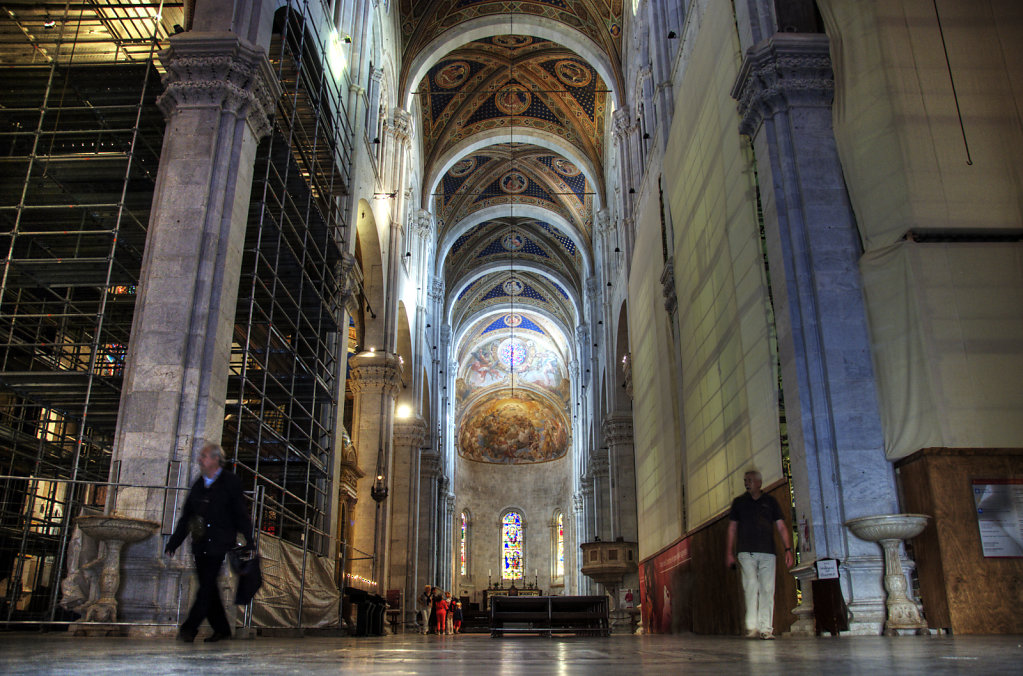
column 370, row 258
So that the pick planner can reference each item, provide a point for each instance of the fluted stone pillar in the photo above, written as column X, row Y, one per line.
column 219, row 95
column 409, row 436
column 375, row 379
column 839, row 470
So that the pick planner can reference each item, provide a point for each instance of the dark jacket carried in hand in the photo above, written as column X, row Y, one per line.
column 214, row 516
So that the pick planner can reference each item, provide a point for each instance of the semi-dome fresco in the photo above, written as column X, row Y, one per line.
column 513, row 427
column 512, row 392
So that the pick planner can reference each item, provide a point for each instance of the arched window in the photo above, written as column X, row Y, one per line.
column 511, row 546
column 463, row 546
column 559, row 547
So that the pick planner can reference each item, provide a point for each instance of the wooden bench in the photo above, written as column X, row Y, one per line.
column 549, row 615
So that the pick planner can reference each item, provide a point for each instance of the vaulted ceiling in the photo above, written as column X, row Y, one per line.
column 514, row 128
column 514, row 102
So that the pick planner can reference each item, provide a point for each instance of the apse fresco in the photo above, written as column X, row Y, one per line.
column 514, row 428
column 512, row 395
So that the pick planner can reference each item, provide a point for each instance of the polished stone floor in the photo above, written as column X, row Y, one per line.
column 480, row 655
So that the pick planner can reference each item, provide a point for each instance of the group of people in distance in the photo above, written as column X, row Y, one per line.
column 438, row 612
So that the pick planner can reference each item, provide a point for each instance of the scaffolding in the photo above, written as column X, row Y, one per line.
column 80, row 141
column 287, row 374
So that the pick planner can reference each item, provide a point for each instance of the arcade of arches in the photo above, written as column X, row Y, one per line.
column 461, row 285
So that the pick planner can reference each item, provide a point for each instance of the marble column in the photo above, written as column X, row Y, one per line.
column 599, row 475
column 581, row 530
column 375, row 379
column 617, row 430
column 409, row 436
column 429, row 491
column 220, row 92
column 839, row 470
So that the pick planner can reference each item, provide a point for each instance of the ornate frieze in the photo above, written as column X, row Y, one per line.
column 375, row 372
column 785, row 71
column 220, row 72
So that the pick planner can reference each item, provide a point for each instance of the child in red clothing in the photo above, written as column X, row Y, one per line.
column 457, row 623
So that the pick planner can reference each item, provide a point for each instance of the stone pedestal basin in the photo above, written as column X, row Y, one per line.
column 114, row 532
column 889, row 530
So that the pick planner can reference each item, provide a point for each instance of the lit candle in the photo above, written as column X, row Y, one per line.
column 489, row 572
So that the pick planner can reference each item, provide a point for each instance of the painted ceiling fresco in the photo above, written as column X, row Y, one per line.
column 515, row 173
column 424, row 20
column 510, row 244
column 515, row 290
column 514, row 130
column 512, row 393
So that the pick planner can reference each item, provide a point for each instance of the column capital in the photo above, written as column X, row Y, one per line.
column 784, row 71
column 219, row 70
column 617, row 429
column 375, row 372
column 423, row 223
column 598, row 464
column 621, row 122
column 430, row 465
column 409, row 433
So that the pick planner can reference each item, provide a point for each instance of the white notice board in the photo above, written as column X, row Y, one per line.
column 1000, row 516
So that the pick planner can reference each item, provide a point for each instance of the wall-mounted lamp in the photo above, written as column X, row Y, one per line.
column 646, row 135
column 347, row 39
column 617, row 250
column 408, row 254
column 178, row 29
column 429, row 325
column 632, row 191
column 376, row 139
column 671, row 35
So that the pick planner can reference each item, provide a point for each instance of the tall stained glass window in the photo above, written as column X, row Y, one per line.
column 511, row 546
column 559, row 546
column 463, row 545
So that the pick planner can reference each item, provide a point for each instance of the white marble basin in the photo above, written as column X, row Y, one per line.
column 113, row 527
column 887, row 526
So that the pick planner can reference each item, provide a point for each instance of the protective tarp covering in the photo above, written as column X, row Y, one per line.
column 946, row 320
column 277, row 603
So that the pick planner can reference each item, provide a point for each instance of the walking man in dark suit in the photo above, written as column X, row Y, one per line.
column 214, row 513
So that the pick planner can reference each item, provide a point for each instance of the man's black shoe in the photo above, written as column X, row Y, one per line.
column 217, row 636
column 186, row 636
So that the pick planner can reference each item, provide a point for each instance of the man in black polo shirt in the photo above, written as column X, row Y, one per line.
column 750, row 524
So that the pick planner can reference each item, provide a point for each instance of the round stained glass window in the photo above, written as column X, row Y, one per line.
column 512, row 353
